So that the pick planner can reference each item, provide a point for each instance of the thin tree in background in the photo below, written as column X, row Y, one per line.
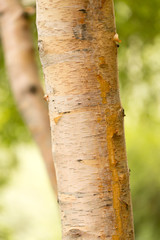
column 24, row 79
column 78, row 50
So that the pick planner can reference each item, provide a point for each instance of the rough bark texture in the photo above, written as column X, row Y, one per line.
column 24, row 79
column 79, row 59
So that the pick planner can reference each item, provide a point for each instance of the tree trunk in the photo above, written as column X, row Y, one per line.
column 24, row 79
column 79, row 58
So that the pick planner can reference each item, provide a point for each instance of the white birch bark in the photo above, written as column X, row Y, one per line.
column 79, row 59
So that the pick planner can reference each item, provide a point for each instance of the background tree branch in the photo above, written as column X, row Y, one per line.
column 24, row 79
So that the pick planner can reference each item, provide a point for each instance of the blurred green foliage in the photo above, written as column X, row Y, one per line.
column 139, row 70
column 5, row 233
column 12, row 128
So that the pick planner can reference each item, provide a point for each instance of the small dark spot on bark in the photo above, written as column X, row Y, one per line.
column 109, row 29
column 66, row 112
column 83, row 10
column 25, row 15
column 75, row 233
column 58, row 200
column 86, row 50
column 33, row 89
column 108, row 205
column 116, row 135
column 117, row 45
column 131, row 233
column 83, row 50
column 79, row 103
column 80, row 197
column 103, row 65
column 83, row 31
column 125, row 203
column 80, row 32
column 123, row 112
column 79, row 160
column 1, row 13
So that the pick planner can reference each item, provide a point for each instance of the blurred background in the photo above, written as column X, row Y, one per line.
column 28, row 208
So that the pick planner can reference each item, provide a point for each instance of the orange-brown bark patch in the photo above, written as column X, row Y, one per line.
column 115, row 184
column 104, row 87
column 56, row 119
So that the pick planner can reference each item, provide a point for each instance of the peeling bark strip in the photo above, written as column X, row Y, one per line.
column 80, row 67
column 24, row 79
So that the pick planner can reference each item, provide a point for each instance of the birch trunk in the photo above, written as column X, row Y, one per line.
column 79, row 59
column 24, row 79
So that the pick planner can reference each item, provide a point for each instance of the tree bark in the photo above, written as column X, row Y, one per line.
column 24, row 79
column 79, row 59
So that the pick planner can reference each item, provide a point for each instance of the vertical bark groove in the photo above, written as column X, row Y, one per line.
column 79, row 59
